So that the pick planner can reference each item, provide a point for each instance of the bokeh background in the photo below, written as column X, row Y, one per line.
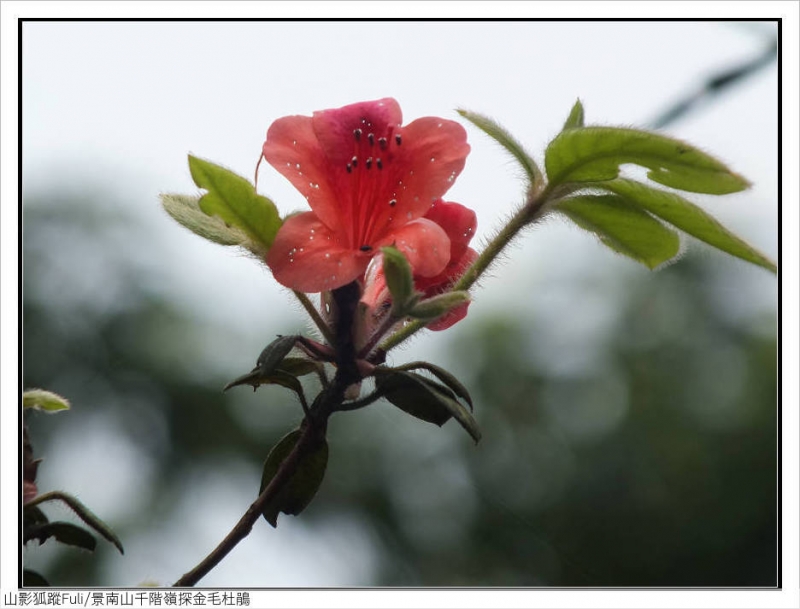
column 629, row 417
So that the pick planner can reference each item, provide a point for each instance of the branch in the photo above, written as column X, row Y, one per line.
column 245, row 524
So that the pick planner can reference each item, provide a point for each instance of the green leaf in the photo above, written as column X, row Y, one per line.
column 31, row 579
column 234, row 200
column 66, row 533
column 507, row 141
column 594, row 154
column 186, row 211
column 298, row 366
column 399, row 280
column 268, row 364
column 688, row 217
column 82, row 512
column 300, row 489
column 39, row 399
column 443, row 375
column 424, row 399
column 622, row 227
column 575, row 118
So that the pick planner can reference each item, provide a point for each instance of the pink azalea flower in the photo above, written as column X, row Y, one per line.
column 459, row 223
column 369, row 182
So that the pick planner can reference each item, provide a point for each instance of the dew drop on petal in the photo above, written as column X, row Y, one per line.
column 408, row 215
column 327, row 255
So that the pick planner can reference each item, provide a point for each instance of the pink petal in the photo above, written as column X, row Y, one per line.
column 431, row 157
column 292, row 148
column 458, row 222
column 334, row 128
column 425, row 245
column 307, row 256
column 442, row 283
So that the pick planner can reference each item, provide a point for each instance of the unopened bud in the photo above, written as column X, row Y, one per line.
column 399, row 280
column 435, row 307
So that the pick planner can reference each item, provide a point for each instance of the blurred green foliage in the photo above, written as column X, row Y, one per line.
column 657, row 466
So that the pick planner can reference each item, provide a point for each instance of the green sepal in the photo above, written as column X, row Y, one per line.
column 65, row 533
column 594, row 154
column 83, row 512
column 443, row 375
column 47, row 401
column 424, row 399
column 575, row 118
column 399, row 280
column 688, row 217
column 32, row 579
column 300, row 489
column 185, row 209
column 234, row 200
column 623, row 227
column 507, row 141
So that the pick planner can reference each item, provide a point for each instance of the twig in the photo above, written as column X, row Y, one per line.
column 245, row 524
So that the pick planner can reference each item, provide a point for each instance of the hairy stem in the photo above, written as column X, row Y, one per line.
column 534, row 209
column 315, row 316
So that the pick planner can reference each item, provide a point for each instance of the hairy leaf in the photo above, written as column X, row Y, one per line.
column 507, row 141
column 39, row 399
column 623, row 227
column 424, row 399
column 688, row 217
column 82, row 512
column 186, row 211
column 300, row 489
column 575, row 118
column 234, row 200
column 594, row 154
column 65, row 533
column 443, row 375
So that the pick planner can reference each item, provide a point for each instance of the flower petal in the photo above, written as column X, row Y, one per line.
column 307, row 256
column 425, row 245
column 458, row 222
column 432, row 155
column 292, row 148
column 440, row 284
column 335, row 128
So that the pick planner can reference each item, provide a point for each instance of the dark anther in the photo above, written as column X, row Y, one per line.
column 354, row 161
column 369, row 162
column 398, row 139
column 365, row 248
column 371, row 138
column 379, row 163
column 393, row 202
column 349, row 168
column 383, row 143
column 357, row 134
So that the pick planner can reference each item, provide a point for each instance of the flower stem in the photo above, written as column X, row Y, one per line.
column 533, row 210
column 315, row 316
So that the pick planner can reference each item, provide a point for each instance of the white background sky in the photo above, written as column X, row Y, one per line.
column 130, row 100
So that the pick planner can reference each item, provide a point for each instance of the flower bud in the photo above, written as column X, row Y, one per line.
column 399, row 280
column 435, row 307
